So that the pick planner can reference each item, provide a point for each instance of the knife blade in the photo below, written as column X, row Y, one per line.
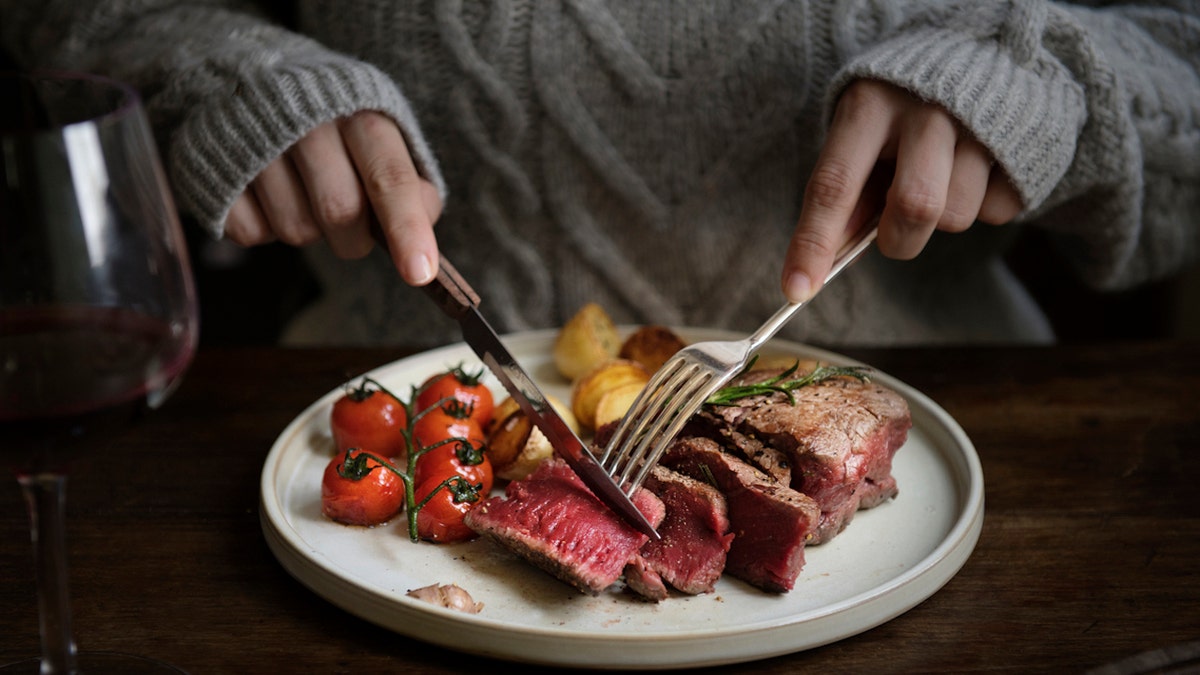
column 459, row 301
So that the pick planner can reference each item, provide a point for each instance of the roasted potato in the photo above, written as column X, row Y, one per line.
column 515, row 446
column 507, row 438
column 536, row 450
column 587, row 390
column 650, row 346
column 616, row 401
column 586, row 340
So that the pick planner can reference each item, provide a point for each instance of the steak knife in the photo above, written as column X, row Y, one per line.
column 458, row 300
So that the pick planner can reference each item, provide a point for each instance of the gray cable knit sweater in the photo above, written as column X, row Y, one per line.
column 650, row 155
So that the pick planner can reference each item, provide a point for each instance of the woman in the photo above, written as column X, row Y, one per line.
column 685, row 163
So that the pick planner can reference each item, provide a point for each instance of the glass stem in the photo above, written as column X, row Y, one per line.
column 45, row 494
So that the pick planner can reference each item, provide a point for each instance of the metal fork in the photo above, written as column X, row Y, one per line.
column 688, row 378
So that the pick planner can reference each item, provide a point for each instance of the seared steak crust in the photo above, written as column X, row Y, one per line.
column 841, row 436
column 771, row 461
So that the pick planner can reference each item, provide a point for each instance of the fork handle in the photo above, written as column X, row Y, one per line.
column 850, row 253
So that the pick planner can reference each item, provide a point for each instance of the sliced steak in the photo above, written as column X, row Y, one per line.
column 641, row 578
column 771, row 461
column 695, row 538
column 552, row 520
column 792, row 474
column 841, row 436
column 770, row 521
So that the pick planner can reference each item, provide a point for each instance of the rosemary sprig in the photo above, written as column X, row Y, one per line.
column 784, row 383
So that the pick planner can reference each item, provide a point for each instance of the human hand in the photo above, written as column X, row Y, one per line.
column 891, row 154
column 332, row 184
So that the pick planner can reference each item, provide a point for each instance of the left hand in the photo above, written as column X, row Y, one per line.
column 943, row 179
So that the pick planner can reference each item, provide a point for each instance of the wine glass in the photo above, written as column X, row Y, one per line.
column 98, row 315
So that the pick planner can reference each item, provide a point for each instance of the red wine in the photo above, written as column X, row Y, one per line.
column 73, row 372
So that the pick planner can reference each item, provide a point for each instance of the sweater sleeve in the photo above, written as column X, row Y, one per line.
column 1094, row 115
column 227, row 89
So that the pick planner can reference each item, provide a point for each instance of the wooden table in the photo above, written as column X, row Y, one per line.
column 1088, row 556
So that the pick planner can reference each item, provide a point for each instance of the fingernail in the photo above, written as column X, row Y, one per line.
column 798, row 287
column 418, row 269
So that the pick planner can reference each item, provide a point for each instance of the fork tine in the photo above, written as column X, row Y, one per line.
column 667, row 422
column 668, row 378
column 654, row 418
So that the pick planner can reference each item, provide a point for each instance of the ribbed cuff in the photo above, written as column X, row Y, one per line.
column 1027, row 111
column 227, row 141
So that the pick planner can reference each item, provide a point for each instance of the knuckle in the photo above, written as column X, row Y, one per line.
column 919, row 206
column 810, row 244
column 369, row 120
column 955, row 220
column 338, row 211
column 410, row 222
column 243, row 238
column 244, row 234
column 299, row 236
column 1001, row 202
column 999, row 210
column 297, row 229
column 864, row 102
column 831, row 185
column 386, row 175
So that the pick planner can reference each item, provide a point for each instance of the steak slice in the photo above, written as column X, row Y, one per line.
column 770, row 521
column 552, row 520
column 695, row 538
column 841, row 436
column 642, row 579
column 771, row 461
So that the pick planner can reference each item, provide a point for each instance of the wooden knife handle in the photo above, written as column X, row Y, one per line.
column 450, row 291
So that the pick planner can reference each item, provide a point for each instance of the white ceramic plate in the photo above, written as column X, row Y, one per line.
column 888, row 560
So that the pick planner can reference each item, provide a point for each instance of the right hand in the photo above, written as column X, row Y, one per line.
column 332, row 184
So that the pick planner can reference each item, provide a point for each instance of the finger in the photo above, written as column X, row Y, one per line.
column 856, row 138
column 431, row 200
column 245, row 224
column 917, row 197
column 393, row 188
column 1001, row 203
column 968, row 185
column 284, row 203
column 335, row 196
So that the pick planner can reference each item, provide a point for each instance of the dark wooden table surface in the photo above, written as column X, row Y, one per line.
column 1089, row 554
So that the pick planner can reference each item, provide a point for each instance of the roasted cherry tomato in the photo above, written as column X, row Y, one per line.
column 357, row 490
column 441, row 518
column 370, row 418
column 450, row 420
column 463, row 386
column 466, row 460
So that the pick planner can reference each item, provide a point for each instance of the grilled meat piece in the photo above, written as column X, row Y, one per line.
column 840, row 435
column 552, row 520
column 771, row 522
column 695, row 538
